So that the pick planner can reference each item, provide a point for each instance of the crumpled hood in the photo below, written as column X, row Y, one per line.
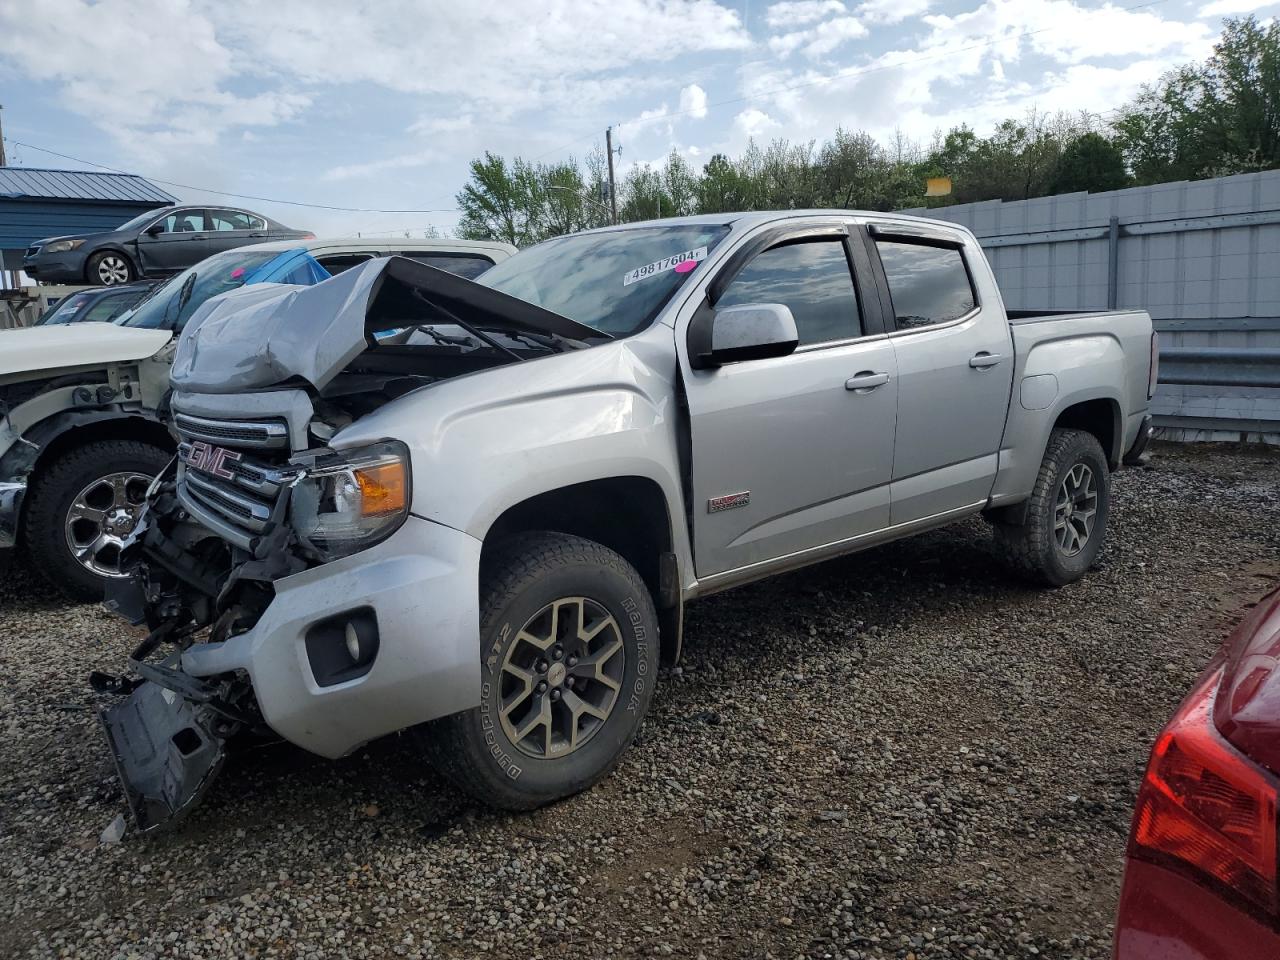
column 262, row 336
column 61, row 346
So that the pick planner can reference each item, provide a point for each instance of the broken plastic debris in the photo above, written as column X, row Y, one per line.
column 115, row 830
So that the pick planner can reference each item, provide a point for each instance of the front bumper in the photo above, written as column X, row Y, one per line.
column 422, row 586
column 56, row 267
column 11, row 497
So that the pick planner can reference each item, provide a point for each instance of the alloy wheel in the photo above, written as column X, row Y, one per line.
column 1075, row 508
column 561, row 677
column 102, row 515
column 113, row 269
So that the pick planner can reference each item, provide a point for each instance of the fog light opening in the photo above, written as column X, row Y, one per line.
column 353, row 642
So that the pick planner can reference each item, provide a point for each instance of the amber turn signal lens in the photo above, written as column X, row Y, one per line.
column 382, row 488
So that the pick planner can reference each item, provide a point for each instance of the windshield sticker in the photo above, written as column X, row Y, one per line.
column 680, row 263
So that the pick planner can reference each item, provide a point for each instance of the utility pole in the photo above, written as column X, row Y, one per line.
column 2, row 160
column 613, row 192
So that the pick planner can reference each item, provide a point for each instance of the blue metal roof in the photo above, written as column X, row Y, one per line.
column 20, row 183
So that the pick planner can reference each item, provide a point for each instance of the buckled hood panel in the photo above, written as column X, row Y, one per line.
column 265, row 335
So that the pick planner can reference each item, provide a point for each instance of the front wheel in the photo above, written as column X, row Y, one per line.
column 109, row 269
column 569, row 656
column 81, row 509
column 1066, row 517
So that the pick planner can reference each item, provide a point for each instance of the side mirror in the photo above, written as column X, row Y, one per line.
column 747, row 331
column 155, row 230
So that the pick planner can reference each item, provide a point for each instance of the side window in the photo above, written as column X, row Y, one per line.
column 464, row 266
column 184, row 221
column 234, row 220
column 928, row 284
column 338, row 262
column 813, row 279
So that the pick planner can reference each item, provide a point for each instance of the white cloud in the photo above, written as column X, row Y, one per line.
column 796, row 13
column 820, row 40
column 168, row 71
column 693, row 101
column 357, row 171
column 892, row 11
column 753, row 122
column 436, row 125
column 1226, row 8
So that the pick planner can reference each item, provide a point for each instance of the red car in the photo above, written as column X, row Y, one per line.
column 1200, row 879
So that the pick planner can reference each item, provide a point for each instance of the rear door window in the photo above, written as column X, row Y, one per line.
column 336, row 263
column 929, row 285
column 464, row 265
column 812, row 279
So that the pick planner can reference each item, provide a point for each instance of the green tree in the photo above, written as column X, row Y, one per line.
column 1092, row 163
column 1209, row 119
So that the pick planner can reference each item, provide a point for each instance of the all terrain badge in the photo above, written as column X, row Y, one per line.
column 728, row 501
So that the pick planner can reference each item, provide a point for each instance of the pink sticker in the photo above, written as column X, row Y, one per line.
column 237, row 273
column 686, row 267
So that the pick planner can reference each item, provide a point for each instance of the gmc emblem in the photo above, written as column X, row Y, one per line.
column 211, row 459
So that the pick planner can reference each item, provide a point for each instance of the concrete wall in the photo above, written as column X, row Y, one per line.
column 1202, row 257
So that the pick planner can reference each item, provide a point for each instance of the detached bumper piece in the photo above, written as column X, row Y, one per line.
column 166, row 752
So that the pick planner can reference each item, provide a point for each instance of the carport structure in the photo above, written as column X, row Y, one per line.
column 37, row 203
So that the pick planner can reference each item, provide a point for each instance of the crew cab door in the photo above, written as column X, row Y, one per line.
column 794, row 452
column 174, row 242
column 954, row 354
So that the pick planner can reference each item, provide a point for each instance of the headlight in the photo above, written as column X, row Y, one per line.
column 345, row 502
column 62, row 246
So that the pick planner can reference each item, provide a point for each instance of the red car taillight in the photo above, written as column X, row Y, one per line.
column 1207, row 809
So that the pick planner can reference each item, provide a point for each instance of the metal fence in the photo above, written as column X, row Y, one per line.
column 1202, row 257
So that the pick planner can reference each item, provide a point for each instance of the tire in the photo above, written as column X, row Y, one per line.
column 110, row 477
column 535, row 573
column 1057, row 512
column 109, row 268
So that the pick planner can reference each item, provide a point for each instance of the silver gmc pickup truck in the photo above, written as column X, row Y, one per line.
column 475, row 509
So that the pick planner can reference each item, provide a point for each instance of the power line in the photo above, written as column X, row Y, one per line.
column 225, row 193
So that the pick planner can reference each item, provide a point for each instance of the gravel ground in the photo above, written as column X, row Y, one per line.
column 898, row 754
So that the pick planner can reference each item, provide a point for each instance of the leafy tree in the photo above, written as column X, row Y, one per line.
column 1210, row 119
column 1090, row 162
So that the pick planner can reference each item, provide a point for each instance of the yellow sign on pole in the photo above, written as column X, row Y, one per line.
column 937, row 187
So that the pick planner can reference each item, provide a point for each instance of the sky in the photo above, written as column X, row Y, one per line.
column 381, row 106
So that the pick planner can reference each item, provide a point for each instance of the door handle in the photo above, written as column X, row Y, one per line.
column 983, row 360
column 866, row 380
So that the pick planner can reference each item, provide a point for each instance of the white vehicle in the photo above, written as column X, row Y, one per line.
column 80, row 434
column 403, row 496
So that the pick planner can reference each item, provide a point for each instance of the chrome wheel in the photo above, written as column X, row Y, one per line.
column 1075, row 508
column 113, row 269
column 561, row 677
column 101, row 516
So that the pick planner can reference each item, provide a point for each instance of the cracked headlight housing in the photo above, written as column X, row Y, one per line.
column 347, row 501
column 62, row 246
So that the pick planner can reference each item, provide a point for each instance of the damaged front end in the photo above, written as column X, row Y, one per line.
column 286, row 587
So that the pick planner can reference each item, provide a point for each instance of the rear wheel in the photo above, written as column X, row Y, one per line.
column 569, row 647
column 83, row 507
column 109, row 268
column 1066, row 518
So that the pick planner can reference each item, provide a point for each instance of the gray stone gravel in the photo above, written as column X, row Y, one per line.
column 899, row 754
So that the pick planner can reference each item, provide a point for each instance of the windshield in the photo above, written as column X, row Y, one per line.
column 615, row 281
column 213, row 276
column 141, row 219
column 65, row 310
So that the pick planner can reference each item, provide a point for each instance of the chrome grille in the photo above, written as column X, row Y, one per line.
column 257, row 434
column 240, row 497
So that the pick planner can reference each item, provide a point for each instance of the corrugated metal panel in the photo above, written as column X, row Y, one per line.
column 1202, row 257
column 32, row 182
column 22, row 222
